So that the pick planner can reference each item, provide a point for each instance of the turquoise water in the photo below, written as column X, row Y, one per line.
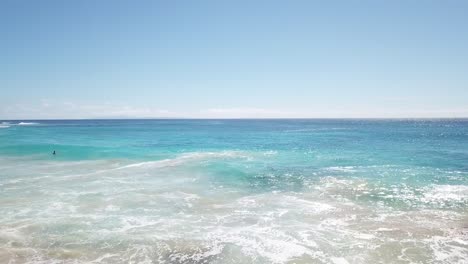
column 234, row 191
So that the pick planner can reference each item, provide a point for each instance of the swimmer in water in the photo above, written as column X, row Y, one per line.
column 53, row 153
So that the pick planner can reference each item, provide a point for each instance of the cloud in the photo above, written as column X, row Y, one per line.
column 320, row 111
column 244, row 113
column 71, row 110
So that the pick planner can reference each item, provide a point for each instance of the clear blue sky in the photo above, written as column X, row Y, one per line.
column 88, row 59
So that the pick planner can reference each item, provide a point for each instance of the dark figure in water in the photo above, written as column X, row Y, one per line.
column 53, row 153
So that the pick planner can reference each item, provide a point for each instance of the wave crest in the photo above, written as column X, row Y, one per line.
column 27, row 123
column 187, row 157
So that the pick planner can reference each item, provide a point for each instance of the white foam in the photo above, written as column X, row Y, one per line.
column 447, row 250
column 4, row 126
column 103, row 257
column 308, row 206
column 270, row 153
column 446, row 193
column 130, row 223
column 27, row 123
column 187, row 157
column 384, row 229
column 342, row 168
column 112, row 208
column 143, row 221
column 271, row 244
column 336, row 260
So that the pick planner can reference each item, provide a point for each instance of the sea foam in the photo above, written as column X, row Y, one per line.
column 152, row 191
column 27, row 123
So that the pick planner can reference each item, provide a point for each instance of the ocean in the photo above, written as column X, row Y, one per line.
column 234, row 191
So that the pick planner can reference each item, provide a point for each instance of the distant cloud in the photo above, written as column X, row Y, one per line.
column 244, row 113
column 72, row 110
column 51, row 110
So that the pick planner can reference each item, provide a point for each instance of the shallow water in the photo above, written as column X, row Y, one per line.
column 234, row 191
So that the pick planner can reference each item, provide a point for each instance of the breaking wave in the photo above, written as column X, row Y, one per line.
column 27, row 123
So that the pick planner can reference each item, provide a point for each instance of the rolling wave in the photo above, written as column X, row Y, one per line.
column 27, row 123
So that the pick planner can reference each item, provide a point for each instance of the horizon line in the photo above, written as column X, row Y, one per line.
column 235, row 118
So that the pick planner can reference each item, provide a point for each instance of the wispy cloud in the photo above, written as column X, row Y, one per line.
column 53, row 110
column 244, row 113
column 73, row 110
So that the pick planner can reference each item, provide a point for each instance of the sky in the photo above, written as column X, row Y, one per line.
column 233, row 59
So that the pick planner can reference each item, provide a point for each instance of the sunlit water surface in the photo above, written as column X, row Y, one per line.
column 234, row 191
